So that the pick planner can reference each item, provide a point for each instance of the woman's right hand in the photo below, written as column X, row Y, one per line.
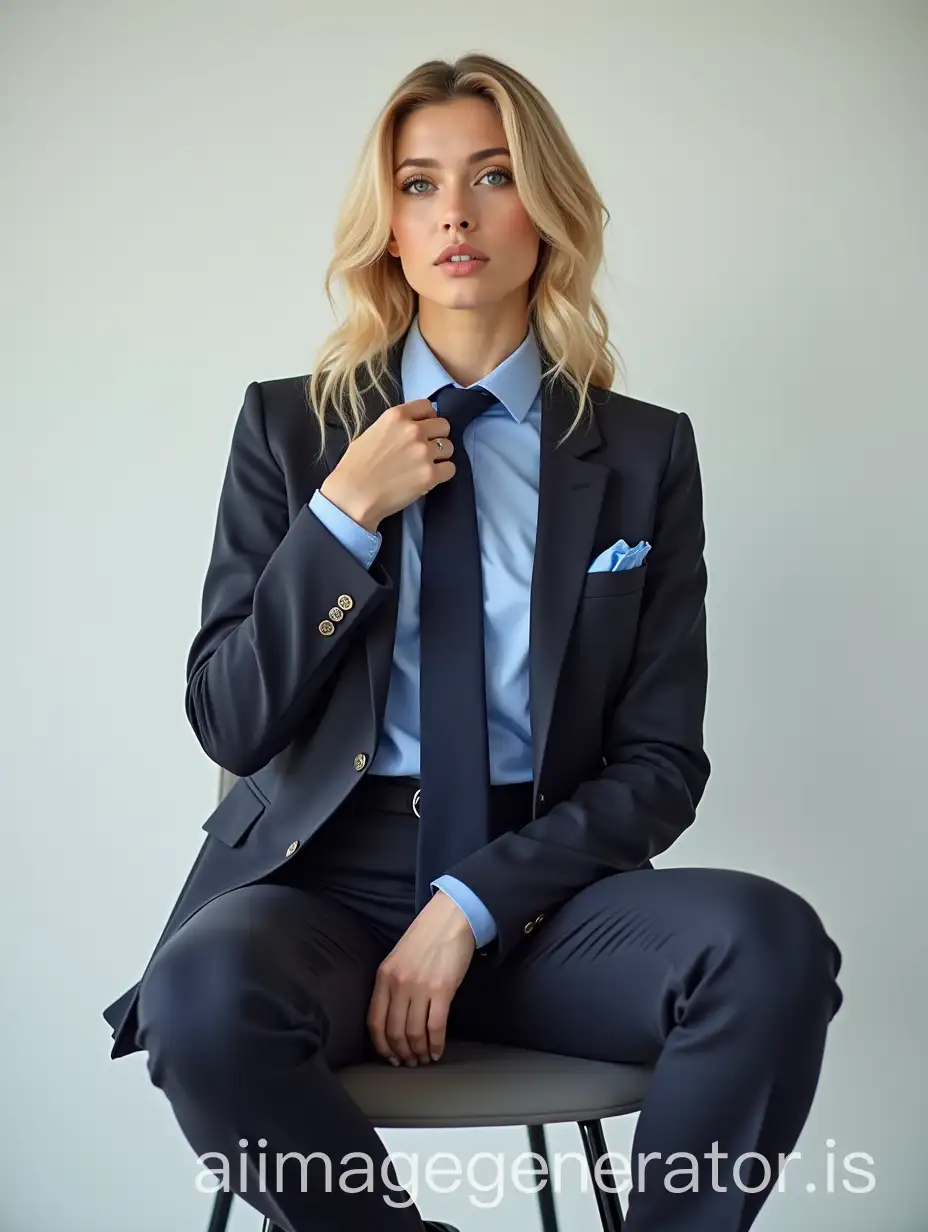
column 392, row 463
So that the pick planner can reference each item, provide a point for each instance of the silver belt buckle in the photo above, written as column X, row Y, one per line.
column 415, row 801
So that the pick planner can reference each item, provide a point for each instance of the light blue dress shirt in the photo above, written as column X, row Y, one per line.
column 503, row 445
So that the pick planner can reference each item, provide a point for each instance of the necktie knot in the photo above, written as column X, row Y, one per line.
column 461, row 406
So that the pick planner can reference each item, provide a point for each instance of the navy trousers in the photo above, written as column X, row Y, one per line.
column 723, row 980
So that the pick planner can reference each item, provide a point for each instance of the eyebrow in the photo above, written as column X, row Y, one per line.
column 476, row 157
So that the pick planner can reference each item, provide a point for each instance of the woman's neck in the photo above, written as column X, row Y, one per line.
column 470, row 343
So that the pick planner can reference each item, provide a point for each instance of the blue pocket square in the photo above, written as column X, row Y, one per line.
column 620, row 556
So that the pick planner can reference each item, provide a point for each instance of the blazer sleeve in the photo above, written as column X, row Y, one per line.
column 259, row 661
column 655, row 768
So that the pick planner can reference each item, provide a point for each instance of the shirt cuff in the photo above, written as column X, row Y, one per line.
column 482, row 924
column 362, row 544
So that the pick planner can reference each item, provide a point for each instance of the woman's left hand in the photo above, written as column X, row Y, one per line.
column 408, row 1012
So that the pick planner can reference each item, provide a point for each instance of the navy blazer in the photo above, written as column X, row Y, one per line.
column 618, row 661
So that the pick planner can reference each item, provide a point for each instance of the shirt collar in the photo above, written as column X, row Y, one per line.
column 515, row 382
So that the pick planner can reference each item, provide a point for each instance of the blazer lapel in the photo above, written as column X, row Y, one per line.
column 570, row 496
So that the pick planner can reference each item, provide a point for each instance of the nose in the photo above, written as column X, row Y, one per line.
column 457, row 220
column 459, row 214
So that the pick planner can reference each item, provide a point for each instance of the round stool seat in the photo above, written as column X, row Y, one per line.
column 478, row 1084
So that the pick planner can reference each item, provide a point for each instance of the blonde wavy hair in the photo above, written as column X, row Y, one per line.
column 557, row 194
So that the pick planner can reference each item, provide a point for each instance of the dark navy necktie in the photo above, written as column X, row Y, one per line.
column 454, row 773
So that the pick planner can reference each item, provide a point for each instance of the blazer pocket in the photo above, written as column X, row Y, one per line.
column 236, row 813
column 604, row 582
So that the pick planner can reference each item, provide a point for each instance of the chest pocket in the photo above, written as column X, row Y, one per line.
column 605, row 582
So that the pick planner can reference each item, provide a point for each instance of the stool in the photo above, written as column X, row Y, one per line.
column 486, row 1084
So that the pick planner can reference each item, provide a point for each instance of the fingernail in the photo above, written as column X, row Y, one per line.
column 436, row 1056
column 412, row 1061
column 393, row 1060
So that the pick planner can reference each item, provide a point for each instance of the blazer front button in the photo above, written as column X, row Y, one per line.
column 345, row 602
column 529, row 926
column 292, row 848
column 336, row 614
column 539, row 918
column 360, row 761
column 326, row 628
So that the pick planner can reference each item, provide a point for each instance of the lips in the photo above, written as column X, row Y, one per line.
column 460, row 250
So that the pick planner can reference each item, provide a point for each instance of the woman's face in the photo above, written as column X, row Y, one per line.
column 459, row 199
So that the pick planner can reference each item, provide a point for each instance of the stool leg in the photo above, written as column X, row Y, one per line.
column 608, row 1202
column 538, row 1144
column 219, row 1218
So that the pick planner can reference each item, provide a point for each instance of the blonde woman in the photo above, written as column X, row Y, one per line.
column 453, row 645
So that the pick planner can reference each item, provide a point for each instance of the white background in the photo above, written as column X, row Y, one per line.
column 171, row 176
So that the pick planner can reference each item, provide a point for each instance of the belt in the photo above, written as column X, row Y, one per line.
column 509, row 802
